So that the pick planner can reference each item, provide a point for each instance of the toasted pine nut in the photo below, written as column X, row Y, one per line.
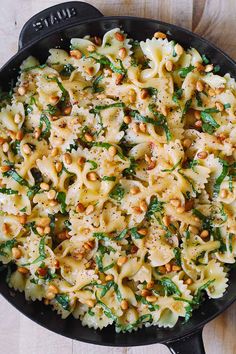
column 198, row 124
column 21, row 90
column 90, row 303
column 76, row 54
column 127, row 119
column 5, row 168
column 44, row 186
column 92, row 176
column 211, row 92
column 178, row 49
column 53, row 99
column 188, row 281
column 89, row 210
column 88, row 137
column 22, row 219
column 151, row 298
column 145, row 292
column 199, row 66
column 176, row 268
column 202, row 155
column 197, row 115
column 22, row 270
column 187, row 143
column 58, row 166
column 134, row 190
column 142, row 127
column 168, row 267
column 53, row 288
column 89, row 245
column 50, row 295
column 143, row 232
column 52, row 203
column 122, row 53
column 124, row 304
column 132, row 96
column 47, row 230
column 119, row 36
column 5, row 147
column 150, row 284
column 208, row 68
column 143, row 205
column 40, row 230
column 97, row 40
column 169, row 65
column 119, row 78
column 144, row 94
column 180, row 210
column 90, row 70
column 37, row 132
column 137, row 210
column 81, row 160
column 136, row 128
column 164, row 111
column 19, row 135
column 16, row 252
column 199, row 86
column 204, row 234
column 5, row 228
column 51, row 194
column 80, row 208
column 109, row 277
column 68, row 158
column 26, row 149
column 67, row 110
column 122, row 260
column 160, row 35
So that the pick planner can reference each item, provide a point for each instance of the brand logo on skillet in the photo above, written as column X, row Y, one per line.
column 54, row 18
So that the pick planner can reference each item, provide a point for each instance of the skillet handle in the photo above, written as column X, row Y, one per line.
column 188, row 345
column 56, row 18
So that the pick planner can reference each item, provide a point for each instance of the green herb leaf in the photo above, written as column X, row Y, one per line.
column 135, row 234
column 93, row 163
column 122, row 235
column 117, row 193
column 8, row 191
column 143, row 300
column 155, row 206
column 109, row 178
column 98, row 109
column 61, row 198
column 199, row 100
column 130, row 171
column 183, row 72
column 152, row 91
column 174, row 167
column 44, row 119
column 205, row 59
column 169, row 286
column 6, row 247
column 177, row 253
column 67, row 70
column 15, row 175
column 64, row 301
column 218, row 237
column 216, row 69
column 221, row 177
column 177, row 95
column 42, row 66
column 101, row 236
column 227, row 105
column 96, row 88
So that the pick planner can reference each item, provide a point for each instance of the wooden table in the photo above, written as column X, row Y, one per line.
column 213, row 19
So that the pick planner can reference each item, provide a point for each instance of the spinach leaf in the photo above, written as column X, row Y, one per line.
column 101, row 236
column 121, row 235
column 6, row 247
column 221, row 177
column 61, row 198
column 8, row 191
column 44, row 119
column 209, row 124
column 218, row 237
column 177, row 95
column 96, row 88
column 98, row 109
column 205, row 59
column 109, row 178
column 174, row 167
column 155, row 206
column 67, row 70
column 177, row 253
column 183, row 72
column 169, row 286
column 143, row 300
column 152, row 91
column 130, row 171
column 15, row 175
column 93, row 163
column 64, row 301
column 135, row 234
column 42, row 66
column 117, row 193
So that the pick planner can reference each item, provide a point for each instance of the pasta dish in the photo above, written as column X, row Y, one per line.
column 117, row 181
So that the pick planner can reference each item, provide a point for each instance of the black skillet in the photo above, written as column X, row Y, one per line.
column 54, row 27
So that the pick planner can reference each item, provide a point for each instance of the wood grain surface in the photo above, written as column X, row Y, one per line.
column 212, row 19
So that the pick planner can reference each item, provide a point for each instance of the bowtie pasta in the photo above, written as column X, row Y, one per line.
column 117, row 189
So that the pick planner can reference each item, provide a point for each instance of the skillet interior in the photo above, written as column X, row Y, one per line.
column 138, row 29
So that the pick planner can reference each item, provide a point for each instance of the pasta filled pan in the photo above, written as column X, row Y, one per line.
column 117, row 179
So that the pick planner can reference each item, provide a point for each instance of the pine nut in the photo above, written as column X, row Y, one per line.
column 142, row 127
column 16, row 252
column 68, row 158
column 204, row 234
column 53, row 99
column 5, row 147
column 51, row 194
column 47, row 230
column 40, row 230
column 37, row 132
column 90, row 70
column 90, row 303
column 21, row 90
column 166, row 220
column 19, row 135
column 211, row 92
column 89, row 210
column 151, row 298
column 88, row 137
column 26, row 149
column 198, row 124
column 208, row 68
column 109, row 277
column 92, row 176
column 202, row 155
column 160, row 35
column 178, row 49
column 145, row 292
column 180, row 210
column 188, row 281
column 197, row 115
column 81, row 160
column 80, row 208
column 22, row 270
column 54, row 152
column 150, row 284
column 168, row 267
column 97, row 40
column 122, row 53
column 134, row 190
column 22, row 219
column 89, row 245
column 127, row 119
column 143, row 206
column 124, row 304
column 67, row 110
column 144, row 94
column 136, row 128
column 122, row 260
column 176, row 268
column 169, row 65
column 143, row 232
column 50, row 295
column 17, row 118
column 5, row 168
column 132, row 96
column 5, row 228
column 119, row 78
column 76, row 54
column 119, row 36
column 53, row 288
column 199, row 86
column 44, row 186
column 187, row 143
column 58, row 166
column 52, row 203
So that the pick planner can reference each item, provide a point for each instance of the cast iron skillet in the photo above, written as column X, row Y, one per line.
column 52, row 28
